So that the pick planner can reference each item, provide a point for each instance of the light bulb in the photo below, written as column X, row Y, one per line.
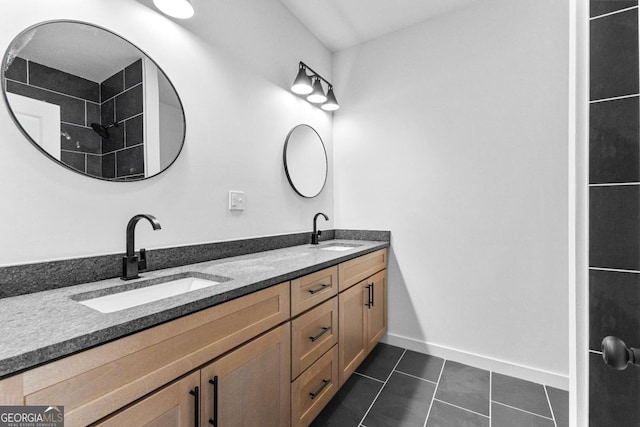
column 302, row 84
column 332, row 103
column 317, row 96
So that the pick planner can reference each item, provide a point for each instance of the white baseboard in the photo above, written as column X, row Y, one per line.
column 539, row 376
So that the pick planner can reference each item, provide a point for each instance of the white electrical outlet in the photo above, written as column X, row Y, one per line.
column 236, row 200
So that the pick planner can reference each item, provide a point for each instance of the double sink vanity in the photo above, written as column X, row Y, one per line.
column 261, row 339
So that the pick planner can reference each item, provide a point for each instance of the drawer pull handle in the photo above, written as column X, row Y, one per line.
column 214, row 421
column 316, row 290
column 318, row 391
column 196, row 394
column 373, row 293
column 321, row 333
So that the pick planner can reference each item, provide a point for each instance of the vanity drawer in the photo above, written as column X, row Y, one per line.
column 312, row 334
column 96, row 382
column 314, row 389
column 310, row 290
column 358, row 269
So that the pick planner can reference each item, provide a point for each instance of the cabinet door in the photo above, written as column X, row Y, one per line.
column 171, row 406
column 353, row 333
column 376, row 313
column 251, row 386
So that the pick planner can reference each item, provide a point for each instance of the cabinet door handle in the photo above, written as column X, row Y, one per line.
column 373, row 294
column 196, row 394
column 319, row 390
column 214, row 421
column 369, row 303
column 321, row 333
column 316, row 290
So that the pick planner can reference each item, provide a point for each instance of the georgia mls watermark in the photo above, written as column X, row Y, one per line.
column 31, row 416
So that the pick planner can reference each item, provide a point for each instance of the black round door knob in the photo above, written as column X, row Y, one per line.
column 616, row 354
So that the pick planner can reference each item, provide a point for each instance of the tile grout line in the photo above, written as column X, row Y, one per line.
column 617, row 270
column 613, row 98
column 77, row 98
column 490, row 395
column 382, row 388
column 462, row 409
column 368, row 377
column 416, row 377
column 522, row 410
column 614, row 184
column 613, row 13
column 553, row 415
column 426, row 420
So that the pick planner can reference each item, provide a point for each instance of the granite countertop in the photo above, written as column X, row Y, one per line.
column 40, row 327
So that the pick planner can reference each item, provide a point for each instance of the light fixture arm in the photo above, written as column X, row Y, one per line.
column 314, row 73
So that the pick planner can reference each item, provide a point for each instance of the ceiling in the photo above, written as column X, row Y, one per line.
column 88, row 52
column 340, row 24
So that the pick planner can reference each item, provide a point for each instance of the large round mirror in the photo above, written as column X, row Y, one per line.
column 305, row 161
column 92, row 101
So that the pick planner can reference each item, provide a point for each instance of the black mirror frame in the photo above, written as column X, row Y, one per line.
column 286, row 169
column 30, row 139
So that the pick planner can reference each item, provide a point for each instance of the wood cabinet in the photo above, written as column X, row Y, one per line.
column 247, row 387
column 312, row 334
column 171, row 406
column 362, row 311
column 314, row 356
column 12, row 391
column 310, row 290
column 353, row 332
column 317, row 374
column 358, row 269
column 312, row 390
column 376, row 310
column 251, row 385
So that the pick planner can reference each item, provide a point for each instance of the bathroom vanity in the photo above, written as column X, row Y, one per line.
column 270, row 346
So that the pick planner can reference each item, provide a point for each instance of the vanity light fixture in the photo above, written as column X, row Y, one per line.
column 311, row 85
column 331, row 104
column 181, row 9
column 302, row 84
column 317, row 96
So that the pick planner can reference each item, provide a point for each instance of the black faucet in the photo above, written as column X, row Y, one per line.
column 131, row 265
column 316, row 233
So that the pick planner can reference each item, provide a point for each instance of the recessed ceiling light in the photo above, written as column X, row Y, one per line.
column 181, row 9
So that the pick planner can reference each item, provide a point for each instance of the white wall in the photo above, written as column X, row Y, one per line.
column 232, row 65
column 459, row 126
column 170, row 133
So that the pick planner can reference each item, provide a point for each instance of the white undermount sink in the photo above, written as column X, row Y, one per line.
column 338, row 247
column 134, row 297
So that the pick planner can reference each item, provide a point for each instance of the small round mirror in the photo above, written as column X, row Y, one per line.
column 305, row 161
column 92, row 101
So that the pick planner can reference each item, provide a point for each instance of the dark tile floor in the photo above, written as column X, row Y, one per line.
column 395, row 387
